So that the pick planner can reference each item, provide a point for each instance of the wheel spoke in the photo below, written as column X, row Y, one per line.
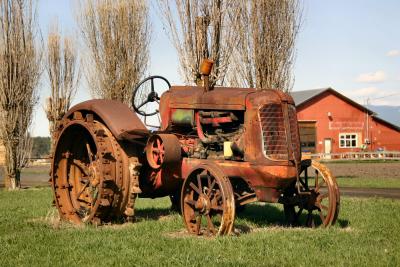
column 142, row 104
column 218, row 196
column 210, row 225
column 152, row 84
column 191, row 202
column 195, row 188
column 156, row 157
column 217, row 208
column 82, row 166
column 199, row 183
column 322, row 196
column 83, row 189
column 211, row 188
column 310, row 219
column 84, row 201
column 320, row 185
column 158, row 143
column 198, row 224
column 323, row 207
column 90, row 154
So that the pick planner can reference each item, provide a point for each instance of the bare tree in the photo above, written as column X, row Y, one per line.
column 63, row 73
column 116, row 33
column 265, row 50
column 203, row 29
column 20, row 71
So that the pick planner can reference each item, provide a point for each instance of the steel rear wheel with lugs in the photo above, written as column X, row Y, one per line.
column 90, row 176
column 207, row 202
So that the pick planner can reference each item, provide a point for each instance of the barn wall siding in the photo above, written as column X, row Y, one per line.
column 335, row 116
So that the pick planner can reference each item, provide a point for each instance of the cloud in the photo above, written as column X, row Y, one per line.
column 372, row 77
column 367, row 91
column 362, row 93
column 374, row 95
column 393, row 53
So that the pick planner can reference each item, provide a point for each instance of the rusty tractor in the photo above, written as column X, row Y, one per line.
column 216, row 150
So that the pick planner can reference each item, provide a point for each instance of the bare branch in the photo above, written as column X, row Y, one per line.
column 265, row 51
column 204, row 30
column 116, row 33
column 63, row 73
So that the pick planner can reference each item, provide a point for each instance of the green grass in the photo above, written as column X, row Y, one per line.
column 365, row 182
column 368, row 182
column 367, row 234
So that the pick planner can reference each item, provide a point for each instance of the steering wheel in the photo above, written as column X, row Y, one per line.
column 146, row 96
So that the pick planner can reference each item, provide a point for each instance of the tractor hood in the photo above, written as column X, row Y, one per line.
column 221, row 98
column 194, row 97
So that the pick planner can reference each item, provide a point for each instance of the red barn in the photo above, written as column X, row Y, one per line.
column 332, row 123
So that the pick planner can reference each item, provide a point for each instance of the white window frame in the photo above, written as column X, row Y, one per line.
column 344, row 136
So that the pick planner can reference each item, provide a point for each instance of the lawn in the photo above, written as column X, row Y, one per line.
column 367, row 234
column 368, row 182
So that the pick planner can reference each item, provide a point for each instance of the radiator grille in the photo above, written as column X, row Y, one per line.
column 295, row 138
column 275, row 141
column 273, row 131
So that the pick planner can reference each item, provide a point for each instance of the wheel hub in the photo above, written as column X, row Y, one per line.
column 203, row 204
column 312, row 200
column 94, row 181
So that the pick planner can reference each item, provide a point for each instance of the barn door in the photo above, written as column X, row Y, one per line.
column 327, row 147
column 308, row 135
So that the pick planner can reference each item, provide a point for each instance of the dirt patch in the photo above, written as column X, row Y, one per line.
column 245, row 229
column 365, row 170
column 181, row 234
column 118, row 226
column 52, row 219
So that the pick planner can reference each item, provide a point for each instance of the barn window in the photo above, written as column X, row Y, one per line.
column 348, row 140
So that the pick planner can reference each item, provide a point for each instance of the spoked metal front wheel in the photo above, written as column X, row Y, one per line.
column 319, row 198
column 207, row 202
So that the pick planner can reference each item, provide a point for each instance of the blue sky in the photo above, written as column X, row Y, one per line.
column 352, row 46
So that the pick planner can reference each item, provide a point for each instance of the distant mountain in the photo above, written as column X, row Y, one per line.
column 388, row 113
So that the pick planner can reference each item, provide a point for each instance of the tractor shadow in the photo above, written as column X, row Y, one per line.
column 154, row 214
column 266, row 215
column 253, row 217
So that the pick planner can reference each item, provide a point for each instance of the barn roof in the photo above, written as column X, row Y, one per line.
column 302, row 97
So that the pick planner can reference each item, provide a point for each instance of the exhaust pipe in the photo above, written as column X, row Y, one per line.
column 205, row 70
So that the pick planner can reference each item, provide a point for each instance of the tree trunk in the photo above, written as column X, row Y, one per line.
column 13, row 180
column 11, row 171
